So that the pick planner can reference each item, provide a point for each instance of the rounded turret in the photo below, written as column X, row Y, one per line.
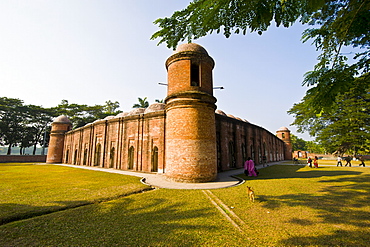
column 59, row 127
column 190, row 116
column 284, row 134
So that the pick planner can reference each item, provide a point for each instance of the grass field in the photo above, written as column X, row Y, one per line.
column 295, row 206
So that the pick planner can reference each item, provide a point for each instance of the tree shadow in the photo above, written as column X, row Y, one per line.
column 124, row 222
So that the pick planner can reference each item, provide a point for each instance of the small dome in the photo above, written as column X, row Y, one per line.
column 122, row 114
column 190, row 47
column 219, row 112
column 229, row 115
column 62, row 119
column 283, row 129
column 155, row 107
column 136, row 111
column 98, row 120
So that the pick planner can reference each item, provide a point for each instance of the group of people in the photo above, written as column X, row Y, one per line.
column 348, row 160
column 315, row 162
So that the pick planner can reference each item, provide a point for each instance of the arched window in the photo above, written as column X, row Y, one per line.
column 155, row 159
column 244, row 152
column 131, row 155
column 252, row 152
column 283, row 135
column 97, row 155
column 111, row 158
column 232, row 159
column 194, row 75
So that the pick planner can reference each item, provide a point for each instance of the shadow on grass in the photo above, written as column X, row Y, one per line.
column 15, row 212
column 23, row 211
column 341, row 201
column 124, row 222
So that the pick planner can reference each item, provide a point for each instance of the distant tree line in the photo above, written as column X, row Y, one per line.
column 29, row 125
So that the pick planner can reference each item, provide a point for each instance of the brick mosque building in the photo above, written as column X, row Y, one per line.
column 185, row 138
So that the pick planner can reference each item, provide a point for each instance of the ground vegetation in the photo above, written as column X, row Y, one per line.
column 294, row 206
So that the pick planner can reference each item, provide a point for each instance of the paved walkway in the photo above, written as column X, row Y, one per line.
column 158, row 180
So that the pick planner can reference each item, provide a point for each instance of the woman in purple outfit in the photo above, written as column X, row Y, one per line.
column 249, row 166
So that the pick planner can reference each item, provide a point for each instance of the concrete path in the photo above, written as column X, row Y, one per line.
column 224, row 179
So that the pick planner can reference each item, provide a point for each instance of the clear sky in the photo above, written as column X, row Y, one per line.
column 91, row 51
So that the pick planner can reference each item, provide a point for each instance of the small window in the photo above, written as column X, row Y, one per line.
column 194, row 74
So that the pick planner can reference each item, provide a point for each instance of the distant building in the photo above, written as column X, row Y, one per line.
column 184, row 138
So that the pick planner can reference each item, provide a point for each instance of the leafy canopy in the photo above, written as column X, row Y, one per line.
column 335, row 24
column 343, row 128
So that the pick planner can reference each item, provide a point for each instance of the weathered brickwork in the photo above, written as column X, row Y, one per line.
column 184, row 138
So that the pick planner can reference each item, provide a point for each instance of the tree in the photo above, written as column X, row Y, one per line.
column 336, row 24
column 143, row 103
column 343, row 128
column 297, row 143
column 81, row 115
column 12, row 121
column 37, row 121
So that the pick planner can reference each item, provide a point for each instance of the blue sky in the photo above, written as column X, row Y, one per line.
column 91, row 51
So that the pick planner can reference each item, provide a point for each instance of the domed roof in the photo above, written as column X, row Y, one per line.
column 62, row 119
column 122, row 114
column 155, row 107
column 108, row 117
column 190, row 47
column 136, row 111
column 219, row 112
column 283, row 129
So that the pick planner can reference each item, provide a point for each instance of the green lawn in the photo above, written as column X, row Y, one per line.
column 295, row 206
column 28, row 189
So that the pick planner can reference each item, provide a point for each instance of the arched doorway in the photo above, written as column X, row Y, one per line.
column 155, row 159
column 232, row 160
column 85, row 157
column 67, row 154
column 131, row 155
column 111, row 158
column 97, row 155
column 75, row 157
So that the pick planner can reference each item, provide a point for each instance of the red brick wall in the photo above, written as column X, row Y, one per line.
column 22, row 158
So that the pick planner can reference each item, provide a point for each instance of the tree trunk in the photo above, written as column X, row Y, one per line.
column 20, row 150
column 9, row 149
column 34, row 149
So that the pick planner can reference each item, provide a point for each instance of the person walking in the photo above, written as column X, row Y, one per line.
column 362, row 161
column 251, row 168
column 309, row 162
column 316, row 162
column 348, row 161
column 339, row 161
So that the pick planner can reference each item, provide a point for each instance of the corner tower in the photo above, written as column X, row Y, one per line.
column 284, row 134
column 56, row 144
column 191, row 154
